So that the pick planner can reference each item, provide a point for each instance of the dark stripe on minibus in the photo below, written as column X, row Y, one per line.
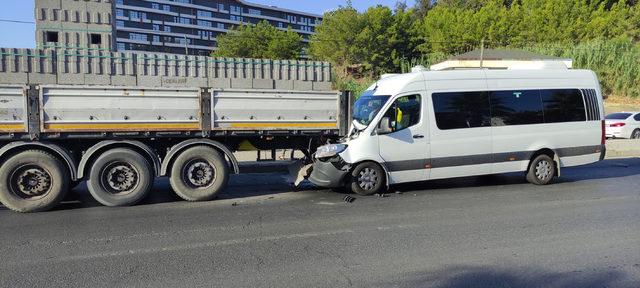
column 457, row 161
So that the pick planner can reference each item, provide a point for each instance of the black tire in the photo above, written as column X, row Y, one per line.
column 120, row 177
column 635, row 134
column 542, row 170
column 199, row 174
column 33, row 181
column 367, row 179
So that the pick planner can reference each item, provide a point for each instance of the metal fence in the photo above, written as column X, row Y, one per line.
column 99, row 67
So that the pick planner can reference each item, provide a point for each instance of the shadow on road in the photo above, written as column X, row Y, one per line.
column 612, row 168
column 464, row 276
column 240, row 186
column 252, row 185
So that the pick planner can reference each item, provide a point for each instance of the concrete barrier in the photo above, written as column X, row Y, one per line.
column 623, row 148
column 101, row 67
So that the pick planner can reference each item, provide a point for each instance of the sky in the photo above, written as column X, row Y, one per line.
column 18, row 35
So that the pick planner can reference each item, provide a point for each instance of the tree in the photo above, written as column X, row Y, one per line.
column 335, row 39
column 259, row 41
column 374, row 40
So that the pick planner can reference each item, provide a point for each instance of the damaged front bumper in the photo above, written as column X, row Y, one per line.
column 326, row 174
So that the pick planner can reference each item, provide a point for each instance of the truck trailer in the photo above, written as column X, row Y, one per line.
column 119, row 139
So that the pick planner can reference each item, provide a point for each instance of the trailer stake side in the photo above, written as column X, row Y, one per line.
column 119, row 139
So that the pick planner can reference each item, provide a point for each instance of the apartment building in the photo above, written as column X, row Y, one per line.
column 167, row 26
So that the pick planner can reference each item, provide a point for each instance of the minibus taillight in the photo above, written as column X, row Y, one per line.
column 617, row 125
column 604, row 133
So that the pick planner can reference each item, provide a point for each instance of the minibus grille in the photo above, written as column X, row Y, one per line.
column 591, row 104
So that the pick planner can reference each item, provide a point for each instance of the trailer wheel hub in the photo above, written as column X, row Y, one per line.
column 31, row 181
column 200, row 173
column 120, row 178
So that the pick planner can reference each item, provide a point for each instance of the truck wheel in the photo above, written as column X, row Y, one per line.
column 120, row 177
column 33, row 181
column 367, row 179
column 199, row 174
column 542, row 170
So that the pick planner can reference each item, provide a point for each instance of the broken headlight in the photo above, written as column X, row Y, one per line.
column 330, row 150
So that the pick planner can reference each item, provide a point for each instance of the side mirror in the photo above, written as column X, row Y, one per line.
column 385, row 126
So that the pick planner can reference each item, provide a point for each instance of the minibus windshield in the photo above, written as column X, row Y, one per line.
column 367, row 107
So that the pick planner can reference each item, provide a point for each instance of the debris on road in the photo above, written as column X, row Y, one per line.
column 349, row 199
column 382, row 195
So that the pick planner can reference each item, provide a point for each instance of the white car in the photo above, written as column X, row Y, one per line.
column 623, row 125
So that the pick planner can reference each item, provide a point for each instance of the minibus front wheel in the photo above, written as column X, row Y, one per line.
column 368, row 178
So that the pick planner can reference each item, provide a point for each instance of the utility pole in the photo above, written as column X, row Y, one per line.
column 186, row 45
column 482, row 53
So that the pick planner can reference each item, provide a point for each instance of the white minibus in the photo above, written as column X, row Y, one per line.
column 444, row 124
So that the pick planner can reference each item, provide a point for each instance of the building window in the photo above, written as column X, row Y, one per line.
column 280, row 25
column 134, row 15
column 119, row 2
column 235, row 18
column 166, row 8
column 119, row 23
column 255, row 12
column 96, row 39
column 183, row 40
column 51, row 36
column 155, row 6
column 221, row 25
column 156, row 27
column 182, row 20
column 156, row 38
column 220, row 7
column 235, row 9
column 167, row 28
column 119, row 12
column 121, row 46
column 204, row 23
column 206, row 14
column 292, row 19
column 138, row 37
column 204, row 34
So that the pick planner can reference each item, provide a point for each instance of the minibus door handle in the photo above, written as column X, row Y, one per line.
column 418, row 136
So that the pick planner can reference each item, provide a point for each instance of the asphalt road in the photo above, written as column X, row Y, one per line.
column 475, row 232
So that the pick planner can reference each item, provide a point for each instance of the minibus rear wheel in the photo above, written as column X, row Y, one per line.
column 542, row 170
column 368, row 178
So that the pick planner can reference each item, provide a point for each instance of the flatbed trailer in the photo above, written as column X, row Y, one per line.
column 119, row 139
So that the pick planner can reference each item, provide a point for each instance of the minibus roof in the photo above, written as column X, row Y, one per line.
column 417, row 81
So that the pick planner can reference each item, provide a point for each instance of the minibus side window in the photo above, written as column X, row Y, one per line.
column 404, row 112
column 458, row 110
column 516, row 107
column 563, row 105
